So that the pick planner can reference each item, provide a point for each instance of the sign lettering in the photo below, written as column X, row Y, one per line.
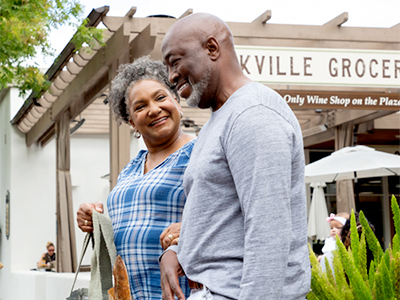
column 315, row 66
column 335, row 100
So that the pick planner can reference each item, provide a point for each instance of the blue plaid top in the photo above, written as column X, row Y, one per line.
column 141, row 206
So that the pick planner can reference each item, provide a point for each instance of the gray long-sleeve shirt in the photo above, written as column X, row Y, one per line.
column 244, row 226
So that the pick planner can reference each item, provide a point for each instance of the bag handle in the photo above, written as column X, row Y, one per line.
column 88, row 237
column 103, row 256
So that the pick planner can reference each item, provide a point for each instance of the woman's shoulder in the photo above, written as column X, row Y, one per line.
column 186, row 150
column 180, row 157
column 139, row 157
column 135, row 163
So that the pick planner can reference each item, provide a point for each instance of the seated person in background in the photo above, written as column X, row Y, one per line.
column 47, row 258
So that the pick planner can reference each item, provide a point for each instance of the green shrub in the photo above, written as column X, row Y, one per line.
column 351, row 277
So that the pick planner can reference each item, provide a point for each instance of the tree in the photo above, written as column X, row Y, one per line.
column 24, row 29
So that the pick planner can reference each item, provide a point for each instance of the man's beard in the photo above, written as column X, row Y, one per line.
column 198, row 89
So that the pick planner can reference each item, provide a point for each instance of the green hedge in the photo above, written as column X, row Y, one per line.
column 351, row 277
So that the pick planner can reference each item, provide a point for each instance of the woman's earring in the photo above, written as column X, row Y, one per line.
column 137, row 134
column 181, row 114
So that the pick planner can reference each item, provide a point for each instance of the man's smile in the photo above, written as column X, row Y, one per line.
column 181, row 89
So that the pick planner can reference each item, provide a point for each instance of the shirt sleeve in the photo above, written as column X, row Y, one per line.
column 172, row 248
column 259, row 153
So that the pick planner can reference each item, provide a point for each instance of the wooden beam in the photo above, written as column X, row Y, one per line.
column 66, row 241
column 277, row 31
column 114, row 23
column 81, row 103
column 263, row 18
column 119, row 149
column 318, row 138
column 83, row 82
column 339, row 20
column 364, row 127
column 131, row 12
column 314, row 34
column 119, row 134
column 389, row 122
column 47, row 136
column 143, row 43
column 186, row 13
column 358, row 116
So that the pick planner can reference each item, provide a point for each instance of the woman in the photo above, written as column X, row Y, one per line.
column 47, row 259
column 148, row 196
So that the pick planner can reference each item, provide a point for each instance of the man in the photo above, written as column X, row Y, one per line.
column 244, row 228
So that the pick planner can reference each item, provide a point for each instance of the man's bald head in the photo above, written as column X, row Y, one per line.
column 198, row 28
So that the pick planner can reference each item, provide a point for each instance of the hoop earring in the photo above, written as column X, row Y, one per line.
column 181, row 114
column 137, row 134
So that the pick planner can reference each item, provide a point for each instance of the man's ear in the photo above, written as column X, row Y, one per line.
column 213, row 48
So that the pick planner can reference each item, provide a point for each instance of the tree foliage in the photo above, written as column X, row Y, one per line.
column 352, row 278
column 24, row 29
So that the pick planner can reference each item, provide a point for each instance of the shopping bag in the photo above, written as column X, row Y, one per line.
column 103, row 256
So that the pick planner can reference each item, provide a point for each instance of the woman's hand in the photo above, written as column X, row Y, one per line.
column 84, row 215
column 170, row 236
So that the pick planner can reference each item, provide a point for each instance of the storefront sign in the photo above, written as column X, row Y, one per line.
column 321, row 67
column 341, row 100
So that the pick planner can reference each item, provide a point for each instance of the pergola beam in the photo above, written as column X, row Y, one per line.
column 321, row 137
column 339, row 20
column 83, row 82
column 81, row 103
column 186, row 13
column 143, row 43
column 144, row 37
column 263, row 18
column 297, row 35
column 94, row 18
column 131, row 12
column 358, row 116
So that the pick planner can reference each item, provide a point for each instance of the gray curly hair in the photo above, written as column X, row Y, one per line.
column 142, row 68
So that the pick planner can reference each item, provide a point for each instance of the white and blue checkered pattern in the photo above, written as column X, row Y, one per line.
column 141, row 206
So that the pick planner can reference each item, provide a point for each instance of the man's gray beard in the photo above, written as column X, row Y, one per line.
column 198, row 89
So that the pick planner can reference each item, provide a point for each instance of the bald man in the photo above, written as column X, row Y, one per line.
column 244, row 227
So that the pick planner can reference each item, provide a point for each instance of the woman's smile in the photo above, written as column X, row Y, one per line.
column 159, row 122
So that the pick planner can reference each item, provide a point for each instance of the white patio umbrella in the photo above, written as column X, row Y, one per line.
column 318, row 227
column 353, row 162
